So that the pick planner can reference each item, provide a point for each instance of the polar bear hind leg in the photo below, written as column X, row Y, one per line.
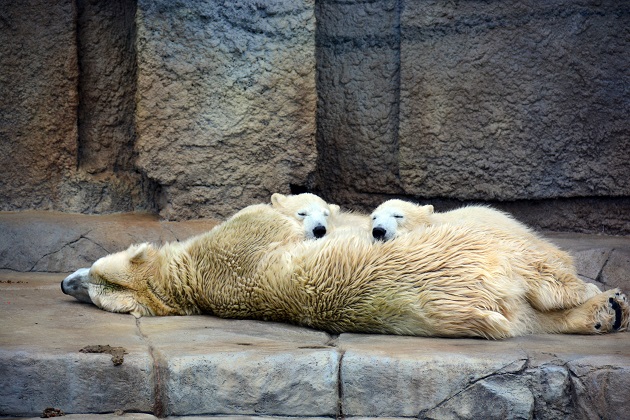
column 605, row 312
column 549, row 291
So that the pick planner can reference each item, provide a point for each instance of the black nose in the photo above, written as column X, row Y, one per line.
column 319, row 231
column 379, row 233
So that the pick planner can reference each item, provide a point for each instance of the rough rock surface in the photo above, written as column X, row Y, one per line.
column 516, row 104
column 106, row 178
column 513, row 100
column 66, row 114
column 38, row 107
column 58, row 242
column 226, row 101
column 543, row 376
column 358, row 86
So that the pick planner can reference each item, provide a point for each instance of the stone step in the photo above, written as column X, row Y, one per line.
column 206, row 366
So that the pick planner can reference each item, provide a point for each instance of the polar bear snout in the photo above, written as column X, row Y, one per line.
column 76, row 285
column 379, row 233
column 319, row 231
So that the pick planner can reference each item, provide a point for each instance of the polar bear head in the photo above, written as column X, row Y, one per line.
column 307, row 208
column 394, row 217
column 113, row 282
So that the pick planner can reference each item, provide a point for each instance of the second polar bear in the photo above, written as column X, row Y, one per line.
column 394, row 217
column 397, row 217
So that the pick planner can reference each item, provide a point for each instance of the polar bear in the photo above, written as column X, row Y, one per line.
column 307, row 208
column 395, row 216
column 319, row 217
column 398, row 217
column 440, row 281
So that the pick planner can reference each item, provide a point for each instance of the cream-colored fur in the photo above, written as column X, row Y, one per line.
column 349, row 222
column 438, row 281
column 398, row 217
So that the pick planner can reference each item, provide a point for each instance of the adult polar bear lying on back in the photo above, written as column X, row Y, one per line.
column 445, row 282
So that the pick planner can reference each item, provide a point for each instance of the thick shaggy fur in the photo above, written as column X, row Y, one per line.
column 553, row 265
column 443, row 281
column 349, row 223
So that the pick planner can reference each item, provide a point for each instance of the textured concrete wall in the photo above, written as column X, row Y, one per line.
column 106, row 179
column 66, row 112
column 358, row 85
column 196, row 109
column 38, row 105
column 522, row 105
column 515, row 99
column 226, row 101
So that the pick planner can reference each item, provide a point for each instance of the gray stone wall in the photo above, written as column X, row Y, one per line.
column 196, row 109
column 358, row 58
column 38, row 105
column 66, row 113
column 226, row 101
column 522, row 105
column 515, row 99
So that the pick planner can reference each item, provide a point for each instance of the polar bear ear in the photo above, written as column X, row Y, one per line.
column 429, row 208
column 334, row 209
column 278, row 199
column 138, row 253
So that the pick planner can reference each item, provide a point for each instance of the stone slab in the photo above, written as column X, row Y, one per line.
column 220, row 366
column 41, row 334
column 542, row 376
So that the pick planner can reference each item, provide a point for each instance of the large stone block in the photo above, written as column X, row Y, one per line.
column 234, row 367
column 380, row 380
column 616, row 272
column 539, row 376
column 358, row 77
column 42, row 366
column 226, row 101
column 514, row 99
column 38, row 107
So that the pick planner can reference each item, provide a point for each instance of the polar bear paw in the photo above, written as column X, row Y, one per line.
column 614, row 315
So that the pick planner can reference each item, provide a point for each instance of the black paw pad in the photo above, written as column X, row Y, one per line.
column 618, row 314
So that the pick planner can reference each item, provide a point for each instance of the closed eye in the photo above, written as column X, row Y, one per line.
column 301, row 213
column 398, row 216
